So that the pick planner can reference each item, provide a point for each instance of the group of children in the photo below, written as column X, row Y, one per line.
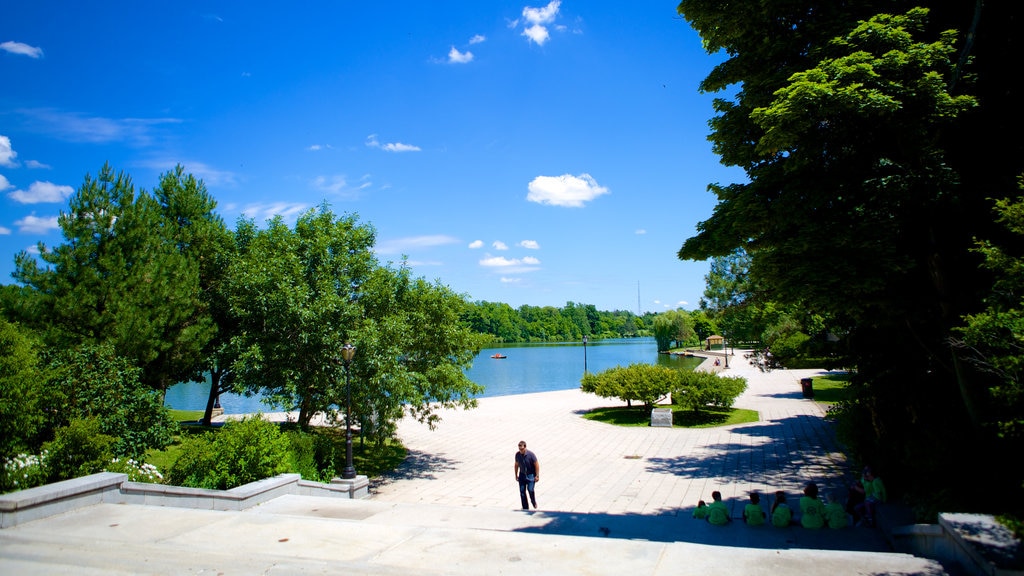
column 814, row 512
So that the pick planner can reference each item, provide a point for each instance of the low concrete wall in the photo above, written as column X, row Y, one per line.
column 108, row 487
column 976, row 542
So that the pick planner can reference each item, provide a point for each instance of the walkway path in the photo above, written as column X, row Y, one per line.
column 613, row 501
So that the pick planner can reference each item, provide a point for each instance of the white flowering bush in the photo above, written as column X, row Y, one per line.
column 25, row 471
column 29, row 470
column 136, row 471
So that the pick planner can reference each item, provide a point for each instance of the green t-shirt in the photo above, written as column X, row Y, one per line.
column 753, row 514
column 700, row 512
column 782, row 515
column 874, row 489
column 718, row 513
column 835, row 515
column 812, row 512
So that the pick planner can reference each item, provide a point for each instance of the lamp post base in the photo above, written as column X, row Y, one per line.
column 356, row 488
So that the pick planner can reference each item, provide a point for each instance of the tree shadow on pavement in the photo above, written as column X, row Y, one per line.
column 417, row 465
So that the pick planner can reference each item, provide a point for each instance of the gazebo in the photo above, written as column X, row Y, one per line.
column 715, row 340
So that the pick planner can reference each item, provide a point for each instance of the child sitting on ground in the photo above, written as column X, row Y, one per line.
column 701, row 511
column 753, row 515
column 718, row 512
column 835, row 514
column 782, row 514
column 812, row 512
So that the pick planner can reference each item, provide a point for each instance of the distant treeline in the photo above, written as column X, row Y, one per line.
column 550, row 324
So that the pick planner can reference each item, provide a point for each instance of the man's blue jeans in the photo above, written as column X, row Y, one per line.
column 527, row 485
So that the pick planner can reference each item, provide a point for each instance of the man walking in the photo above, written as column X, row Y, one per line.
column 527, row 474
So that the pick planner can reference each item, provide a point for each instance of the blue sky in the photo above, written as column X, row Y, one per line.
column 518, row 152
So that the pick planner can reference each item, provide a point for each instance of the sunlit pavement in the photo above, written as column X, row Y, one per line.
column 613, row 500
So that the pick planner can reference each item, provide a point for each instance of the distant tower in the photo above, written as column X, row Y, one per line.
column 638, row 311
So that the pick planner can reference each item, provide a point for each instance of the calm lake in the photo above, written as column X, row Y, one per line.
column 526, row 368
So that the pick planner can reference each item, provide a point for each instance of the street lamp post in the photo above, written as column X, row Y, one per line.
column 584, row 353
column 348, row 351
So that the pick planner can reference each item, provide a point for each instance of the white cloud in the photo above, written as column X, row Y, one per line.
column 39, row 192
column 317, row 147
column 506, row 280
column 4, row 231
column 94, row 129
column 537, row 20
column 510, row 265
column 209, row 175
column 537, row 34
column 530, row 244
column 261, row 212
column 33, row 224
column 22, row 49
column 456, row 57
column 477, row 38
column 682, row 303
column 7, row 153
column 330, row 184
column 499, row 245
column 476, row 244
column 402, row 245
column 564, row 190
column 4, row 182
column 640, row 232
column 372, row 142
column 36, row 164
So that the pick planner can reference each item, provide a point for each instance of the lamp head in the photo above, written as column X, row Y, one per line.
column 348, row 351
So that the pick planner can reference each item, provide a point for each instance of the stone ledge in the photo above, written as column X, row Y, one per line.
column 112, row 488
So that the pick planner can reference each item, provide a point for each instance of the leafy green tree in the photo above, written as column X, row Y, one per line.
column 861, row 135
column 21, row 393
column 647, row 383
column 118, row 279
column 200, row 235
column 300, row 295
column 673, row 329
column 294, row 295
column 994, row 337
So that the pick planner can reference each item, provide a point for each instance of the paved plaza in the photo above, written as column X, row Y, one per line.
column 612, row 500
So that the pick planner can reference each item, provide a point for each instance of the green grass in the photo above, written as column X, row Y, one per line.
column 710, row 417
column 831, row 388
column 182, row 416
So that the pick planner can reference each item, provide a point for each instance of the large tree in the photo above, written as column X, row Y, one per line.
column 299, row 295
column 199, row 234
column 864, row 129
column 120, row 279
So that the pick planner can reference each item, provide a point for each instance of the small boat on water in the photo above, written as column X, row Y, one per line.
column 498, row 356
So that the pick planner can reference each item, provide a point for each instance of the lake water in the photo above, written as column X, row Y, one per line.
column 526, row 368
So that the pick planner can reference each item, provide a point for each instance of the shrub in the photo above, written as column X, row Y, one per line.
column 92, row 381
column 241, row 452
column 23, row 471
column 697, row 390
column 78, row 449
column 647, row 383
column 136, row 471
column 311, row 455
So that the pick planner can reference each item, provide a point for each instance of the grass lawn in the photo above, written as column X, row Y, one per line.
column 707, row 418
column 832, row 387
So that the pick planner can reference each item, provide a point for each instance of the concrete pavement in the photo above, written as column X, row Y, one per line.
column 612, row 500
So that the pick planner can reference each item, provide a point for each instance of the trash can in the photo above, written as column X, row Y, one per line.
column 806, row 384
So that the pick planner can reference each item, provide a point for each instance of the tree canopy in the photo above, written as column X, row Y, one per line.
column 865, row 133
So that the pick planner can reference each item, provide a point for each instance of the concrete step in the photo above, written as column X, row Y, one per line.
column 309, row 535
